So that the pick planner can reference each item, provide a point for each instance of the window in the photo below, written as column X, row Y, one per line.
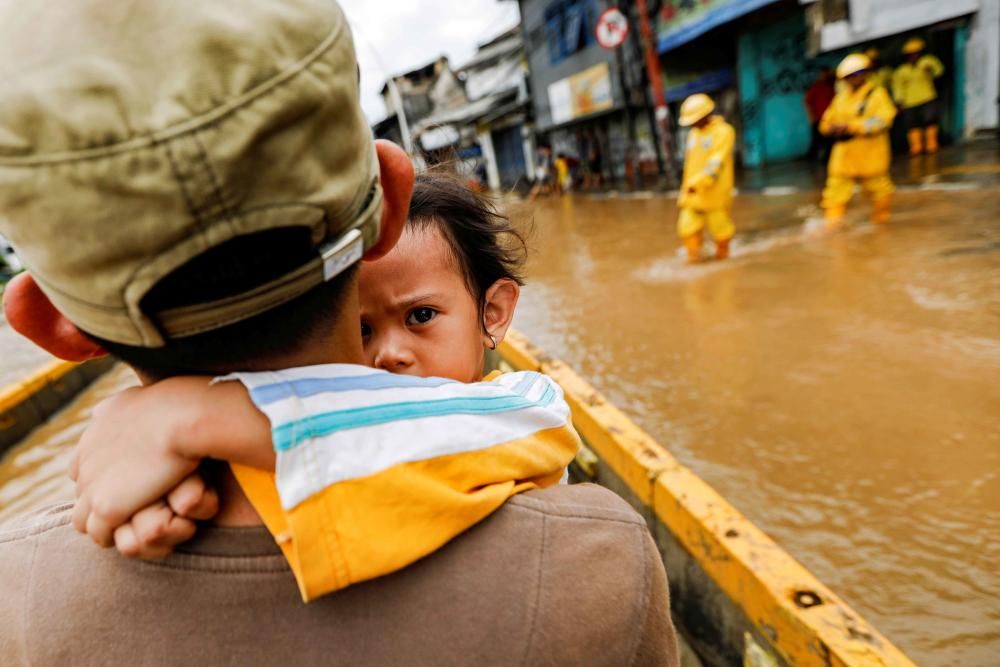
column 569, row 27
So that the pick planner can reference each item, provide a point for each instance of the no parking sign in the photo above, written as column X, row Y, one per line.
column 612, row 28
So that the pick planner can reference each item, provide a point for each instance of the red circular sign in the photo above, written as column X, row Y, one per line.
column 612, row 28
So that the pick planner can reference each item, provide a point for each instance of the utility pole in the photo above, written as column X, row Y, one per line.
column 404, row 126
column 662, row 112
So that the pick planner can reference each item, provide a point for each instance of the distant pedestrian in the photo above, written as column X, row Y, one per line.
column 706, row 196
column 543, row 171
column 563, row 179
column 858, row 120
column 594, row 160
column 914, row 90
column 817, row 99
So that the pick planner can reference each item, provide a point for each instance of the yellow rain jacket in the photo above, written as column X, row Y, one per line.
column 913, row 85
column 376, row 471
column 883, row 77
column 867, row 113
column 708, row 167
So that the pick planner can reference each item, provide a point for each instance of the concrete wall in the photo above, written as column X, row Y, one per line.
column 982, row 67
column 871, row 19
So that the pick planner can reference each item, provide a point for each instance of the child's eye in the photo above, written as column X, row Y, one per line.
column 421, row 316
column 366, row 330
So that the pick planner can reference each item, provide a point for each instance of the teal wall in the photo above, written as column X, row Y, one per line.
column 774, row 74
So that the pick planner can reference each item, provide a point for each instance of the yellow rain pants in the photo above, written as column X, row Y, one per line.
column 719, row 223
column 839, row 189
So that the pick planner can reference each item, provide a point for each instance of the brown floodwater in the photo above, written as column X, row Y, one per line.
column 34, row 472
column 842, row 392
column 18, row 357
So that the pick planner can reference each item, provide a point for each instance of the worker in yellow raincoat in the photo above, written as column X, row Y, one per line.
column 881, row 74
column 858, row 119
column 706, row 196
column 914, row 91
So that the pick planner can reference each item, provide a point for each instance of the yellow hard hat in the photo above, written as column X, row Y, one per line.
column 695, row 108
column 914, row 45
column 852, row 64
column 872, row 53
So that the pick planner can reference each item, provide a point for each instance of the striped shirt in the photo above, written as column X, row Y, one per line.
column 376, row 470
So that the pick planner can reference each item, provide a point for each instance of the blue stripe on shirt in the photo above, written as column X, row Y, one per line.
column 290, row 434
column 305, row 387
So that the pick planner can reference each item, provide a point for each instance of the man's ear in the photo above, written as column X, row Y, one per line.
column 499, row 303
column 396, row 175
column 31, row 314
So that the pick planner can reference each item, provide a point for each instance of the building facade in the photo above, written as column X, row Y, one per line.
column 589, row 102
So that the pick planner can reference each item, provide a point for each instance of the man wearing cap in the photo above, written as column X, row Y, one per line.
column 858, row 120
column 191, row 186
column 706, row 195
column 914, row 91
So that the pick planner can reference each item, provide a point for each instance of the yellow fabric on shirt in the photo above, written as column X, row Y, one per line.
column 359, row 529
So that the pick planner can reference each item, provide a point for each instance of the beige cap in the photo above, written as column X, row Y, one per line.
column 136, row 136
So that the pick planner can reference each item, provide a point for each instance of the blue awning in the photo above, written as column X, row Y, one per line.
column 707, row 83
column 689, row 29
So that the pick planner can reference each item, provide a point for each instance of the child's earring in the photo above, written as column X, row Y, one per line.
column 493, row 341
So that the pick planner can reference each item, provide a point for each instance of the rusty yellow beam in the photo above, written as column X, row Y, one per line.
column 802, row 618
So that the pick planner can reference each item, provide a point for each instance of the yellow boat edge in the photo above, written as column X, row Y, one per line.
column 799, row 618
column 27, row 404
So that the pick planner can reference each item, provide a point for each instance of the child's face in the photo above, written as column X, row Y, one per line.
column 417, row 314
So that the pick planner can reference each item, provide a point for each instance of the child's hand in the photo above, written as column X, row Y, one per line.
column 153, row 532
column 129, row 458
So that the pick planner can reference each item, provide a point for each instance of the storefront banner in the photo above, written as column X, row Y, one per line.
column 680, row 21
column 581, row 94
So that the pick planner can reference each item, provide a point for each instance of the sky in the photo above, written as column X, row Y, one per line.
column 395, row 36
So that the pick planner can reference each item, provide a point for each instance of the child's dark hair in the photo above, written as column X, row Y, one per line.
column 485, row 243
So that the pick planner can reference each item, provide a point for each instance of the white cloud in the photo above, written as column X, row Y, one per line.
column 395, row 36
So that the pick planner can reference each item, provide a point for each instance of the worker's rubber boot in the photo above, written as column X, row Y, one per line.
column 932, row 139
column 833, row 218
column 693, row 245
column 722, row 249
column 882, row 211
column 916, row 138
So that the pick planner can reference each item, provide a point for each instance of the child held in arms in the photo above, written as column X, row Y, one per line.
column 429, row 311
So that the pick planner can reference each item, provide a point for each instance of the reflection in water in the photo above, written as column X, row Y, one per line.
column 841, row 391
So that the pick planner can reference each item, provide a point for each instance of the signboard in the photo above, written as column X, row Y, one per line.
column 612, row 28
column 582, row 94
column 680, row 21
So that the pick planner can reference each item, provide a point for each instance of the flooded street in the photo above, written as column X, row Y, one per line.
column 842, row 392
